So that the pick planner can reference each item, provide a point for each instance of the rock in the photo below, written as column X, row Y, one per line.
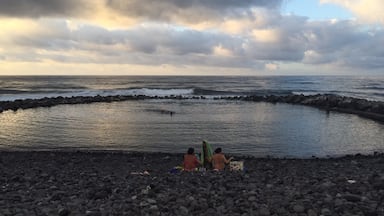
column 151, row 201
column 298, row 208
column 378, row 185
column 57, row 195
column 64, row 212
column 229, row 202
column 311, row 212
column 338, row 202
column 281, row 211
column 5, row 211
column 220, row 209
column 190, row 198
column 153, row 208
column 263, row 211
column 183, row 210
column 352, row 197
column 328, row 199
column 326, row 212
column 252, row 198
column 143, row 204
column 92, row 213
column 327, row 185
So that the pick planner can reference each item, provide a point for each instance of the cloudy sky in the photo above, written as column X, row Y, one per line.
column 191, row 37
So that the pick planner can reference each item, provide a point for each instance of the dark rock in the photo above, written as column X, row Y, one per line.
column 298, row 208
column 264, row 211
column 326, row 212
column 57, row 195
column 93, row 213
column 64, row 212
column 183, row 210
column 311, row 212
column 352, row 197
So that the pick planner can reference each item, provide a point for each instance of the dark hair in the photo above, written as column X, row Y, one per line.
column 191, row 151
column 218, row 150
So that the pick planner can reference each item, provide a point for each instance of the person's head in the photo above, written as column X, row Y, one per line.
column 218, row 150
column 191, row 151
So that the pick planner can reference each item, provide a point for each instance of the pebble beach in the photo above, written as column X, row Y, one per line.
column 137, row 183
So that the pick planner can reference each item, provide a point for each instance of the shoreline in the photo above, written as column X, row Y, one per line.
column 114, row 182
column 368, row 109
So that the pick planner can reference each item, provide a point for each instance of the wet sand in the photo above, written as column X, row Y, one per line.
column 134, row 183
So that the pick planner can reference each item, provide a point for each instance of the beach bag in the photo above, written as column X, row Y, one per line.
column 236, row 166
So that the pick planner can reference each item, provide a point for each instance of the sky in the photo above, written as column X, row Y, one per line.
column 194, row 37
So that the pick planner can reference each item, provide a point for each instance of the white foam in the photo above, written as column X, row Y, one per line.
column 154, row 92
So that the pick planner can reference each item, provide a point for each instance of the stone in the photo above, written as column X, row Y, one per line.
column 64, row 212
column 6, row 211
column 298, row 208
column 143, row 204
column 92, row 213
column 183, row 210
column 338, row 202
column 153, row 208
column 311, row 212
column 263, row 211
column 326, row 212
column 151, row 201
column 229, row 202
column 352, row 197
column 57, row 195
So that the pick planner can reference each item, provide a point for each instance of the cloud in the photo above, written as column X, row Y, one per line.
column 271, row 66
column 367, row 10
column 192, row 11
column 43, row 8
column 249, row 35
column 287, row 39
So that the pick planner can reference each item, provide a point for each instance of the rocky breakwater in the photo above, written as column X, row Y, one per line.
column 54, row 101
column 113, row 183
column 362, row 107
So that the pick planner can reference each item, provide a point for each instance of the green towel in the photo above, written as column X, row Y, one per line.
column 205, row 154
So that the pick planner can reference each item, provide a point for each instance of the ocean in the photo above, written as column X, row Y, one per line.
column 239, row 127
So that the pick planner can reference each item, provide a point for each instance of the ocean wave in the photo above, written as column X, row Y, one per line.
column 156, row 92
column 262, row 92
column 11, row 91
column 55, row 86
column 371, row 88
column 201, row 91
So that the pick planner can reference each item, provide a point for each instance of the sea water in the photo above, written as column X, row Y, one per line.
column 239, row 127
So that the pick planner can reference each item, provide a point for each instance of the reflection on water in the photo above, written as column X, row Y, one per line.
column 238, row 127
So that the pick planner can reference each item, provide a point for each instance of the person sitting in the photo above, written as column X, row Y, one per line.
column 219, row 160
column 190, row 162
